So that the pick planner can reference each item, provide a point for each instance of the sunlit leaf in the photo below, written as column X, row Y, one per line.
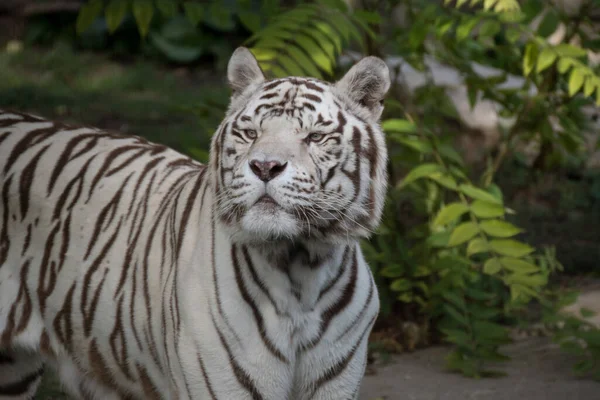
column 398, row 125
column 509, row 247
column 478, row 194
column 530, row 58
column 499, row 228
column 444, row 180
column 419, row 172
column 477, row 245
column 518, row 265
column 492, row 266
column 575, row 80
column 462, row 233
column 545, row 59
column 450, row 213
column 569, row 50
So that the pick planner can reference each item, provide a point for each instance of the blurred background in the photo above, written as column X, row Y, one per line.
column 492, row 224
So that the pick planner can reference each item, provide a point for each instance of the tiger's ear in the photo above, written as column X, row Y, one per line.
column 366, row 84
column 243, row 71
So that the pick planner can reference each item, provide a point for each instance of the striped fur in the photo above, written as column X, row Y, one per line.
column 138, row 273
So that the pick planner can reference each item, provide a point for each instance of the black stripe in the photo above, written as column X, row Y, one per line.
column 257, row 280
column 240, row 374
column 206, row 380
column 6, row 359
column 21, row 387
column 341, row 365
column 258, row 318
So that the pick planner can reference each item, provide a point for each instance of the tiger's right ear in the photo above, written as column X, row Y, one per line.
column 243, row 71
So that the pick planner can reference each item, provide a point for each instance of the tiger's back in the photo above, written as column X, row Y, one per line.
column 72, row 199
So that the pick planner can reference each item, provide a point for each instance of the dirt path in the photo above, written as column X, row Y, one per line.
column 538, row 371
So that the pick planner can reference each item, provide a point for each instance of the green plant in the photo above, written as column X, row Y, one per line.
column 180, row 31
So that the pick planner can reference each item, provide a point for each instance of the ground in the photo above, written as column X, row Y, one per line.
column 538, row 370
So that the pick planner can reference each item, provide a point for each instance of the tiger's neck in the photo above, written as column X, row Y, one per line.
column 293, row 275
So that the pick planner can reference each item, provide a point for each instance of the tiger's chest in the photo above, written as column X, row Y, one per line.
column 268, row 329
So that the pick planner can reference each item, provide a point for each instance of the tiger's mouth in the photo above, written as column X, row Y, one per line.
column 266, row 200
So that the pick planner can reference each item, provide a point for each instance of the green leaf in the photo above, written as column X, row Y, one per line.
column 545, row 60
column 462, row 233
column 549, row 23
column 401, row 285
column 485, row 209
column 303, row 60
column 194, row 12
column 455, row 299
column 419, row 172
column 530, row 281
column 392, row 271
column 250, row 20
column 499, row 228
column 568, row 50
column 438, row 239
column 449, row 213
column 114, row 13
column 398, row 125
column 517, row 265
column 477, row 245
column 512, row 35
column 465, row 28
column 415, row 144
column 588, row 87
column 87, row 15
column 492, row 266
column 167, row 7
column 454, row 314
column 143, row 11
column 509, row 247
column 530, row 58
column 576, row 80
column 444, row 179
column 564, row 64
column 478, row 194
column 175, row 51
column 318, row 56
column 491, row 330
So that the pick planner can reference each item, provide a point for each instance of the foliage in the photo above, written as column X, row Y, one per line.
column 175, row 30
column 573, row 333
column 457, row 262
column 306, row 40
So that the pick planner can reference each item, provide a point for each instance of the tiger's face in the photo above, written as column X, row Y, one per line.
column 301, row 158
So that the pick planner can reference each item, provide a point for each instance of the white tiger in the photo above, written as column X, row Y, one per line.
column 139, row 273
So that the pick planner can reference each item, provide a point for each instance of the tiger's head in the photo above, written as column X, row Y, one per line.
column 301, row 158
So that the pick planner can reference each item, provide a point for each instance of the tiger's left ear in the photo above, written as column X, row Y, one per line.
column 243, row 71
column 366, row 84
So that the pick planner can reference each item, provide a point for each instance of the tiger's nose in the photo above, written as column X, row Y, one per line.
column 267, row 170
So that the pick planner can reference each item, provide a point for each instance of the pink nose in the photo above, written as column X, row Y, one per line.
column 267, row 170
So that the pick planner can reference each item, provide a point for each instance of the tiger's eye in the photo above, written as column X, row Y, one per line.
column 251, row 133
column 315, row 137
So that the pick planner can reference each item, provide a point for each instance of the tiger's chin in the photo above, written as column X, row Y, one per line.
column 260, row 224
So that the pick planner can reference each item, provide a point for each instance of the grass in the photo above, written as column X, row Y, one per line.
column 177, row 107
